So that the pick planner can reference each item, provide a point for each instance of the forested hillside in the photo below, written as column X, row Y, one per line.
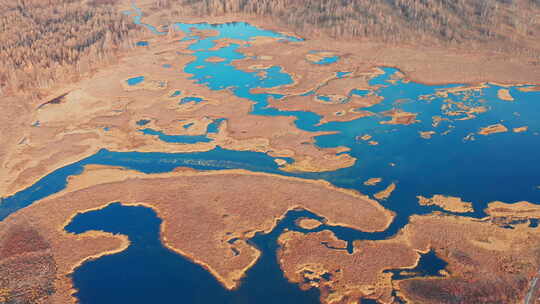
column 449, row 21
column 44, row 41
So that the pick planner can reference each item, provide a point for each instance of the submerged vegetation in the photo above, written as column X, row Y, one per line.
column 45, row 41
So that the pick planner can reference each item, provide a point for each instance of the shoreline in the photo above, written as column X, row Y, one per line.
column 10, row 189
column 229, row 278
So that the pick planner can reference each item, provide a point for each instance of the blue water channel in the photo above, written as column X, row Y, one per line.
column 184, row 139
column 212, row 128
column 191, row 99
column 326, row 60
column 502, row 166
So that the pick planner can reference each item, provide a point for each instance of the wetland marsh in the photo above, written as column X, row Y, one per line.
column 415, row 140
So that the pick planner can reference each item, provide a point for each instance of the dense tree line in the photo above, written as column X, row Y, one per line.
column 44, row 41
column 455, row 21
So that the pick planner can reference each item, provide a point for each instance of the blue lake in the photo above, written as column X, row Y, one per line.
column 328, row 60
column 148, row 271
column 190, row 99
column 324, row 98
column 188, row 125
column 502, row 166
column 213, row 127
column 142, row 43
column 185, row 139
column 135, row 80
column 429, row 265
column 142, row 122
column 359, row 92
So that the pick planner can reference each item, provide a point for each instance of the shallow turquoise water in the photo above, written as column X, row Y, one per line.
column 190, row 99
column 324, row 98
column 497, row 167
column 327, row 60
column 342, row 74
column 360, row 93
column 135, row 80
column 213, row 128
column 176, row 93
column 184, row 139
